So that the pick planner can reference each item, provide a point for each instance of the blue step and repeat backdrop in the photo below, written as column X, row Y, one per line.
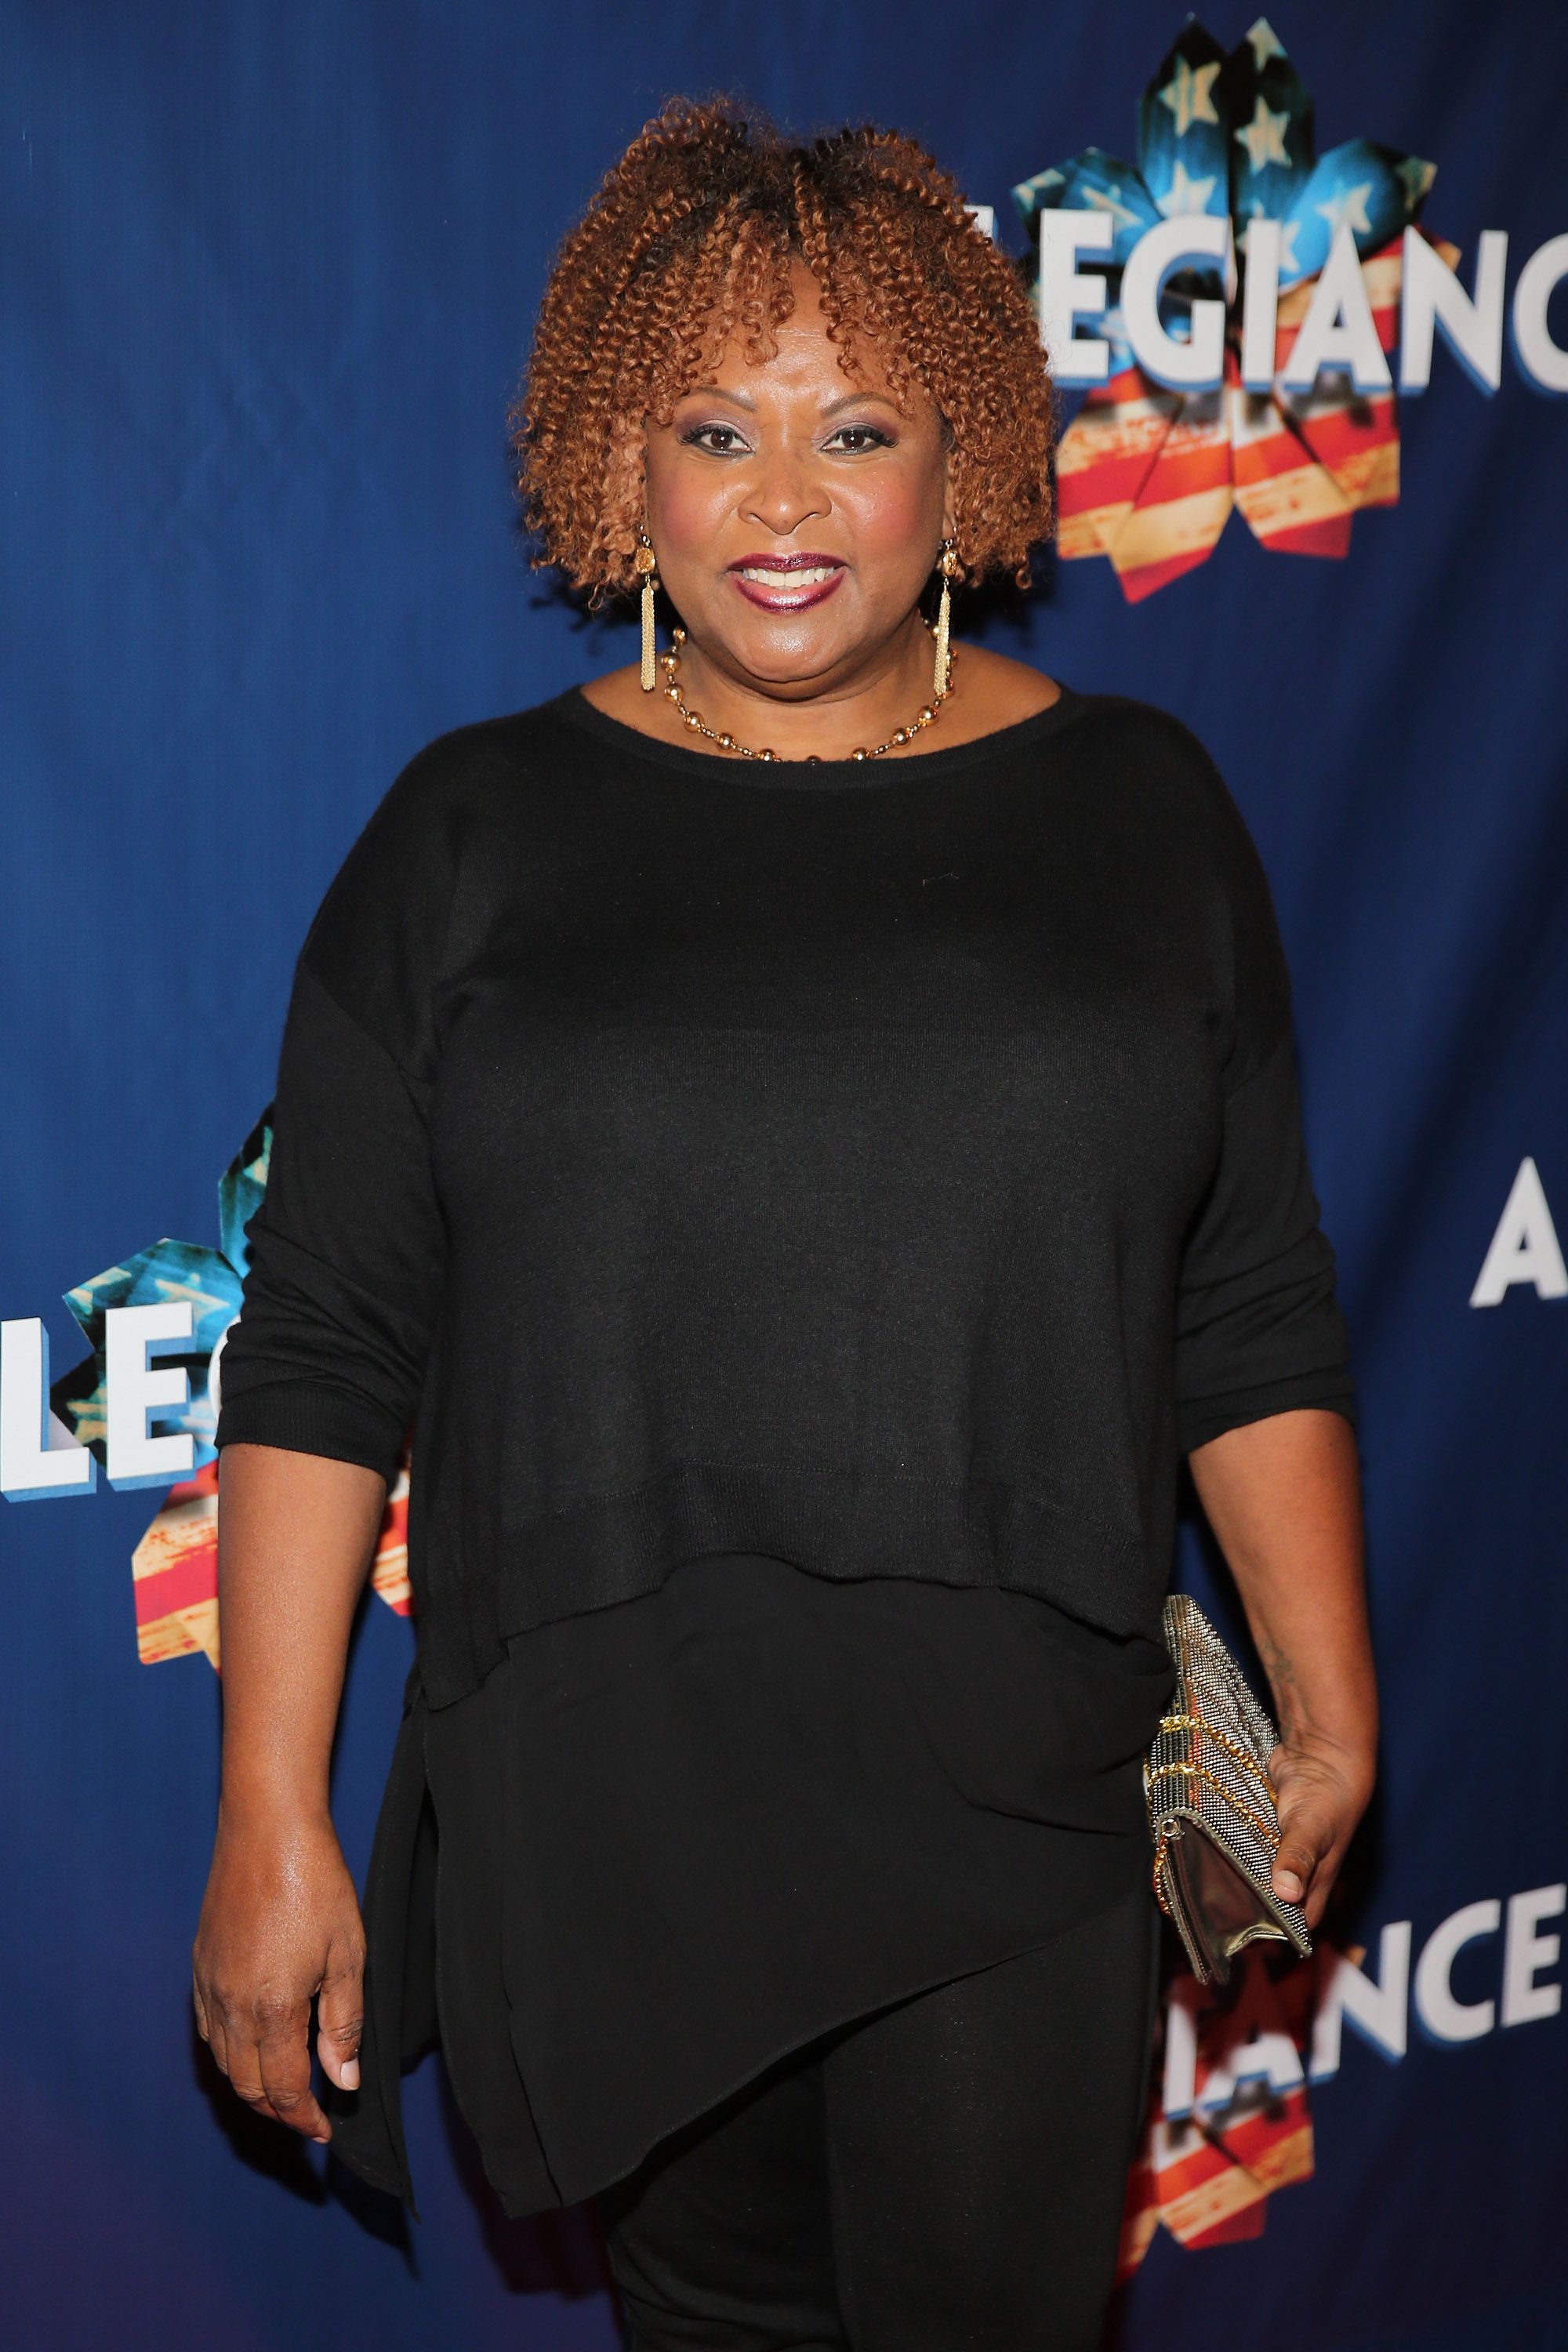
column 268, row 272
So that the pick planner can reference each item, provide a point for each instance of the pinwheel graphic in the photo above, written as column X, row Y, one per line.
column 174, row 1566
column 1147, row 475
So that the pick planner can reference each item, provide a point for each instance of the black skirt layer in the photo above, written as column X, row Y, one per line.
column 665, row 1842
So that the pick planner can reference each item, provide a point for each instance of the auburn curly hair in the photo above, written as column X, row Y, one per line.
column 688, row 242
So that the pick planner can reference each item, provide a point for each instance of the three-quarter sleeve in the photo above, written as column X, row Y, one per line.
column 347, row 1248
column 1260, row 1329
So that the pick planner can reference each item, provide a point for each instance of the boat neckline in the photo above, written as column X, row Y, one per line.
column 796, row 776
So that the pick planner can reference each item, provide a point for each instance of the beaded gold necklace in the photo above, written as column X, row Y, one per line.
column 694, row 721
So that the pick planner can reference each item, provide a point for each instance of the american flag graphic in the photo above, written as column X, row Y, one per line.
column 1232, row 2062
column 174, row 1568
column 1148, row 477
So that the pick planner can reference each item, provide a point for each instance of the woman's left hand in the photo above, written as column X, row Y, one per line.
column 1283, row 1496
column 1322, row 1792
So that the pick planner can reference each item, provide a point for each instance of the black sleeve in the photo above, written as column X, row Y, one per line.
column 1258, row 1325
column 347, row 1247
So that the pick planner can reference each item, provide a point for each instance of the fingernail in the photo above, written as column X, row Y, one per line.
column 1289, row 1885
column 350, row 2073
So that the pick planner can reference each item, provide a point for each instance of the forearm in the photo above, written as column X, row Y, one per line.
column 1283, row 1497
column 296, row 1535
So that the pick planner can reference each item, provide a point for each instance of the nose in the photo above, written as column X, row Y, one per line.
column 783, row 494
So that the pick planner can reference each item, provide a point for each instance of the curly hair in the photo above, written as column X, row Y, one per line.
column 687, row 245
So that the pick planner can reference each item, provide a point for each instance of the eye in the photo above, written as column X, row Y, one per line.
column 856, row 439
column 719, row 440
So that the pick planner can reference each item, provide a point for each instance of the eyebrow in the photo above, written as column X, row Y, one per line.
column 743, row 400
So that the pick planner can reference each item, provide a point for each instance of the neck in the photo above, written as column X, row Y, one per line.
column 826, row 719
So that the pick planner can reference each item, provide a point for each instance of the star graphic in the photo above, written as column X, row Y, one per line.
column 1109, row 200
column 1265, row 43
column 1188, row 95
column 1185, row 196
column 1264, row 137
column 185, row 1286
column 1415, row 177
column 1350, row 206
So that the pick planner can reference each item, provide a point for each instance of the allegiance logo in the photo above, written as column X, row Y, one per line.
column 143, row 1405
column 1242, row 312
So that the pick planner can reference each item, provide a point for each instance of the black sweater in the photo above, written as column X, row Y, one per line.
column 887, row 1168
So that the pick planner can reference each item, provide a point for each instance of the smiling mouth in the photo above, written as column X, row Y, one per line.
column 786, row 583
column 787, row 575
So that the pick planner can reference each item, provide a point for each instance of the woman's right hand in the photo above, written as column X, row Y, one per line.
column 281, row 1926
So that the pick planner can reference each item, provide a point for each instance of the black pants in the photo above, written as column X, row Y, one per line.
column 948, row 2172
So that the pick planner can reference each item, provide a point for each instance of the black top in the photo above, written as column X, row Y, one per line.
column 811, row 1208
column 889, row 1167
column 684, row 1835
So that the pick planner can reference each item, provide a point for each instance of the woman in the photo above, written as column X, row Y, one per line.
column 807, row 1130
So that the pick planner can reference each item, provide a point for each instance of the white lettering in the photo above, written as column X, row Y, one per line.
column 1541, row 362
column 1066, row 294
column 1178, row 2089
column 1196, row 365
column 38, row 1456
column 1338, row 331
column 1260, row 304
column 1267, row 2054
column 1377, row 2010
column 1431, row 296
column 1525, row 1954
column 1445, row 2018
column 214, row 1371
column 1525, row 1247
column 135, row 1387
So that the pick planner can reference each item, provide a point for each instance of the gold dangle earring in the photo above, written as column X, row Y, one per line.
column 646, row 568
column 948, row 565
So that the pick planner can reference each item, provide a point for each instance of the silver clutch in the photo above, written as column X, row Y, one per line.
column 1211, row 1804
